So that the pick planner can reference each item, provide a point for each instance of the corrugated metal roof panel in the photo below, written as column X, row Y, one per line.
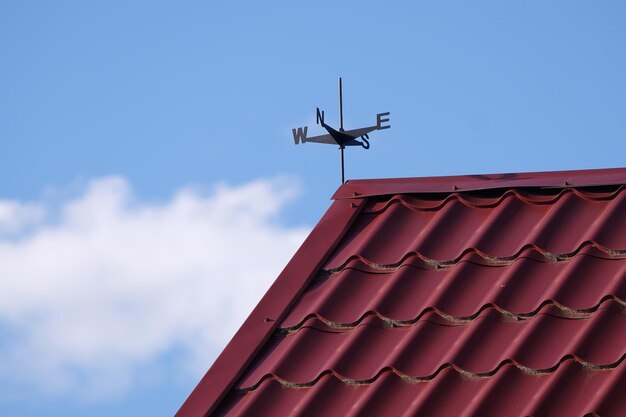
column 384, row 235
column 477, row 347
column 461, row 290
column 498, row 301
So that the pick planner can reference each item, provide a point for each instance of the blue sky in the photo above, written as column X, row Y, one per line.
column 147, row 150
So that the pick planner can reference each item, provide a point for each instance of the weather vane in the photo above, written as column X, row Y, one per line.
column 341, row 137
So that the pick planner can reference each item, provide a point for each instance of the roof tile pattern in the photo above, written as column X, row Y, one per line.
column 484, row 303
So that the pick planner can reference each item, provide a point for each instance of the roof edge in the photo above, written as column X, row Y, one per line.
column 270, row 311
column 447, row 184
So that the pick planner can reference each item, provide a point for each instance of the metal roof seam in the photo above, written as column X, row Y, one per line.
column 417, row 260
column 507, row 393
column 573, row 313
column 464, row 199
column 495, row 260
column 415, row 379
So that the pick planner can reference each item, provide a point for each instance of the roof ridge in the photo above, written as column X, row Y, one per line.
column 413, row 379
column 572, row 312
column 442, row 184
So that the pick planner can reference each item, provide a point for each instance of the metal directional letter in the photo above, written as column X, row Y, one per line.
column 341, row 137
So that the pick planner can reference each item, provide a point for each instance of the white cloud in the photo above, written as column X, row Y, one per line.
column 113, row 284
column 16, row 216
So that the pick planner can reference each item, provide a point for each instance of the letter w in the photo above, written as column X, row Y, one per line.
column 300, row 134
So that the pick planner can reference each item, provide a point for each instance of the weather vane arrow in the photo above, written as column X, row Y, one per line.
column 341, row 137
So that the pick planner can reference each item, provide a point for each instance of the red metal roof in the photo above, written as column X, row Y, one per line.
column 448, row 296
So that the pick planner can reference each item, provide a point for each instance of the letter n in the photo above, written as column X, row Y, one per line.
column 320, row 116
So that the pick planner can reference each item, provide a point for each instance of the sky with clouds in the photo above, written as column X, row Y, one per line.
column 150, row 188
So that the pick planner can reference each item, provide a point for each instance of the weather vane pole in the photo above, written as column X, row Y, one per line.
column 341, row 137
column 341, row 147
